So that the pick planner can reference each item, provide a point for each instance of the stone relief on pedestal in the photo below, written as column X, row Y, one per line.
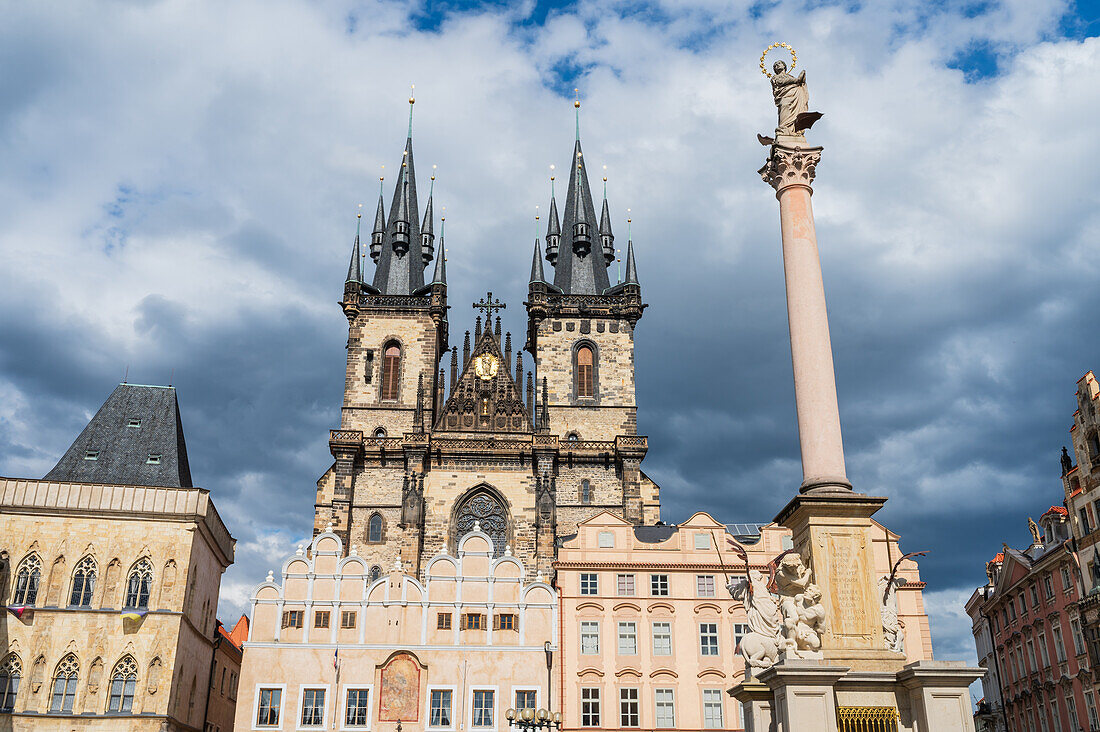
column 893, row 633
column 789, row 622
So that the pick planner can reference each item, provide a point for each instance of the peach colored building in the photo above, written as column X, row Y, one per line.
column 649, row 628
column 330, row 649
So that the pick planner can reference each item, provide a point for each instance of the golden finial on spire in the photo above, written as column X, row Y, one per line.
column 433, row 171
column 577, row 100
column 359, row 213
column 552, row 172
column 412, row 96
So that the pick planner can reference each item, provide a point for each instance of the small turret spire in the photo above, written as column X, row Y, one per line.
column 355, row 274
column 440, row 276
column 607, row 238
column 537, row 274
column 631, row 268
column 427, row 229
column 553, row 225
column 379, row 234
column 582, row 239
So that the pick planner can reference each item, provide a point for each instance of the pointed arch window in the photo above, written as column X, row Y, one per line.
column 26, row 581
column 83, row 583
column 586, row 492
column 375, row 529
column 391, row 371
column 11, row 671
column 139, row 585
column 64, row 685
column 123, row 683
column 488, row 512
column 584, row 369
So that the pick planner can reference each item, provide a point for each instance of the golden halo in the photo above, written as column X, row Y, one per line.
column 794, row 57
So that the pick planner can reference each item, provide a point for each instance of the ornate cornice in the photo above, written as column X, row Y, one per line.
column 790, row 166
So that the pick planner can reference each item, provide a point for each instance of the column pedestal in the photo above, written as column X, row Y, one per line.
column 939, row 695
column 803, row 693
column 756, row 705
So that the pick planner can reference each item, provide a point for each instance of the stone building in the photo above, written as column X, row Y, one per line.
column 332, row 647
column 1029, row 635
column 649, row 626
column 110, row 568
column 225, row 675
column 431, row 440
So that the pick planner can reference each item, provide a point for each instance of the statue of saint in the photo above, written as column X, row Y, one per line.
column 1036, row 536
column 792, row 98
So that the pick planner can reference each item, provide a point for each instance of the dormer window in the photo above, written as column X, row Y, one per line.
column 153, row 459
column 134, row 422
column 91, row 454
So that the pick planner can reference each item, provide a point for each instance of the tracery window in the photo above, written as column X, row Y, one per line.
column 380, row 433
column 586, row 376
column 139, row 585
column 83, row 583
column 26, row 581
column 11, row 671
column 490, row 514
column 391, row 372
column 374, row 529
column 64, row 685
column 123, row 683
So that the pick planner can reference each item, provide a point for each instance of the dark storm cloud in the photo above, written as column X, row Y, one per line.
column 179, row 184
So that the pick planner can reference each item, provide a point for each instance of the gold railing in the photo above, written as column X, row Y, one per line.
column 867, row 719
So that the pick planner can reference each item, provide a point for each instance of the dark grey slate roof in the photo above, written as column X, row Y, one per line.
column 122, row 452
column 354, row 272
column 402, row 274
column 654, row 534
column 573, row 274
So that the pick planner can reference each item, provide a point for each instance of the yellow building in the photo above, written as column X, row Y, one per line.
column 110, row 568
column 330, row 647
column 650, row 628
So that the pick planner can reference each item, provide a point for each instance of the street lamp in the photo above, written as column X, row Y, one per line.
column 529, row 719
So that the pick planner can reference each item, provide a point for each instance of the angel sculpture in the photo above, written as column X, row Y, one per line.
column 760, row 646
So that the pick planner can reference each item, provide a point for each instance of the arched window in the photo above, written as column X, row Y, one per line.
column 375, row 573
column 64, row 685
column 586, row 492
column 83, row 583
column 10, row 673
column 123, row 683
column 374, row 529
column 586, row 372
column 391, row 371
column 489, row 513
column 572, row 437
column 139, row 585
column 380, row 433
column 26, row 581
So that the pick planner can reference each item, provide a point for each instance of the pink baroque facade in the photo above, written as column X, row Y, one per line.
column 650, row 632
column 1029, row 635
column 330, row 648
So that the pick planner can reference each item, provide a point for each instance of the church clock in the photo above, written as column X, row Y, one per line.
column 485, row 366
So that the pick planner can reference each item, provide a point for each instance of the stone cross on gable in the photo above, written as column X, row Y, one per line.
column 489, row 305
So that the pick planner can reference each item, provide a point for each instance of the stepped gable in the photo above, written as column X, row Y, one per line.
column 493, row 404
column 136, row 438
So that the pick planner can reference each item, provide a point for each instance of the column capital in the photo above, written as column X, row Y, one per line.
column 790, row 165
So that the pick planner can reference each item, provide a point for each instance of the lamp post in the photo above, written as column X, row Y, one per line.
column 529, row 720
column 549, row 665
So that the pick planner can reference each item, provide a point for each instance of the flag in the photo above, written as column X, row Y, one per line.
column 132, row 614
column 19, row 610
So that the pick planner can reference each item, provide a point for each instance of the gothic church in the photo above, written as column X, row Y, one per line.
column 433, row 443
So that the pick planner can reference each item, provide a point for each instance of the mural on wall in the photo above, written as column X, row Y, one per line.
column 400, row 697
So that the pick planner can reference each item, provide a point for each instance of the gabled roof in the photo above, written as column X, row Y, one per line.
column 463, row 410
column 136, row 438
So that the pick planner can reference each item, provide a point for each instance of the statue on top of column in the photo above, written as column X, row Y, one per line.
column 792, row 99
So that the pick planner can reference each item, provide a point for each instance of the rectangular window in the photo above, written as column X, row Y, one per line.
column 1044, row 654
column 662, row 639
column 702, row 541
column 1071, row 710
column 712, row 709
column 708, row 639
column 607, row 540
column 1034, row 596
column 313, row 707
column 1067, row 584
column 589, row 584
column 134, row 422
column 153, row 459
column 473, row 621
column 628, row 639
column 347, row 619
column 443, row 621
column 666, row 709
column 440, row 708
column 526, row 699
column 628, row 708
column 1078, row 638
column 267, row 713
column 625, row 585
column 64, row 692
column 369, row 369
column 1090, row 709
column 320, row 619
column 658, row 585
column 483, row 708
column 740, row 630
column 590, row 637
column 357, row 709
column 504, row 621
column 1059, row 647
column 292, row 618
column 1048, row 586
column 1031, row 655
column 704, row 585
column 590, row 706
column 91, row 454
column 1023, row 604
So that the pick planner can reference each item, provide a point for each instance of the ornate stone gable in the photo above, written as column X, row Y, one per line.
column 486, row 397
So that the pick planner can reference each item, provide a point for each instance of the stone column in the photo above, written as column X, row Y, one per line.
column 790, row 170
column 803, row 693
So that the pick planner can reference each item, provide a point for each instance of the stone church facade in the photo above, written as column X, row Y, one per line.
column 434, row 442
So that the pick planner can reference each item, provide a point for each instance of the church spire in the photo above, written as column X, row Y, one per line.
column 537, row 274
column 401, row 262
column 440, row 275
column 379, row 234
column 631, row 268
column 427, row 230
column 553, row 227
column 575, row 271
column 354, row 273
column 607, row 239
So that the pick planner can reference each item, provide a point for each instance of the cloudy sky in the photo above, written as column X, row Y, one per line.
column 179, row 181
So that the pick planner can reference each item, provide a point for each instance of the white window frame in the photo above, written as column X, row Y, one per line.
column 627, row 625
column 512, row 696
column 704, row 539
column 599, row 707
column 721, row 708
column 428, row 705
column 653, row 577
column 625, row 578
column 256, row 706
column 496, row 708
column 656, row 714
column 653, row 636
column 702, row 579
column 717, row 638
column 343, row 704
column 325, row 719
column 597, row 624
column 595, row 586
column 637, row 700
